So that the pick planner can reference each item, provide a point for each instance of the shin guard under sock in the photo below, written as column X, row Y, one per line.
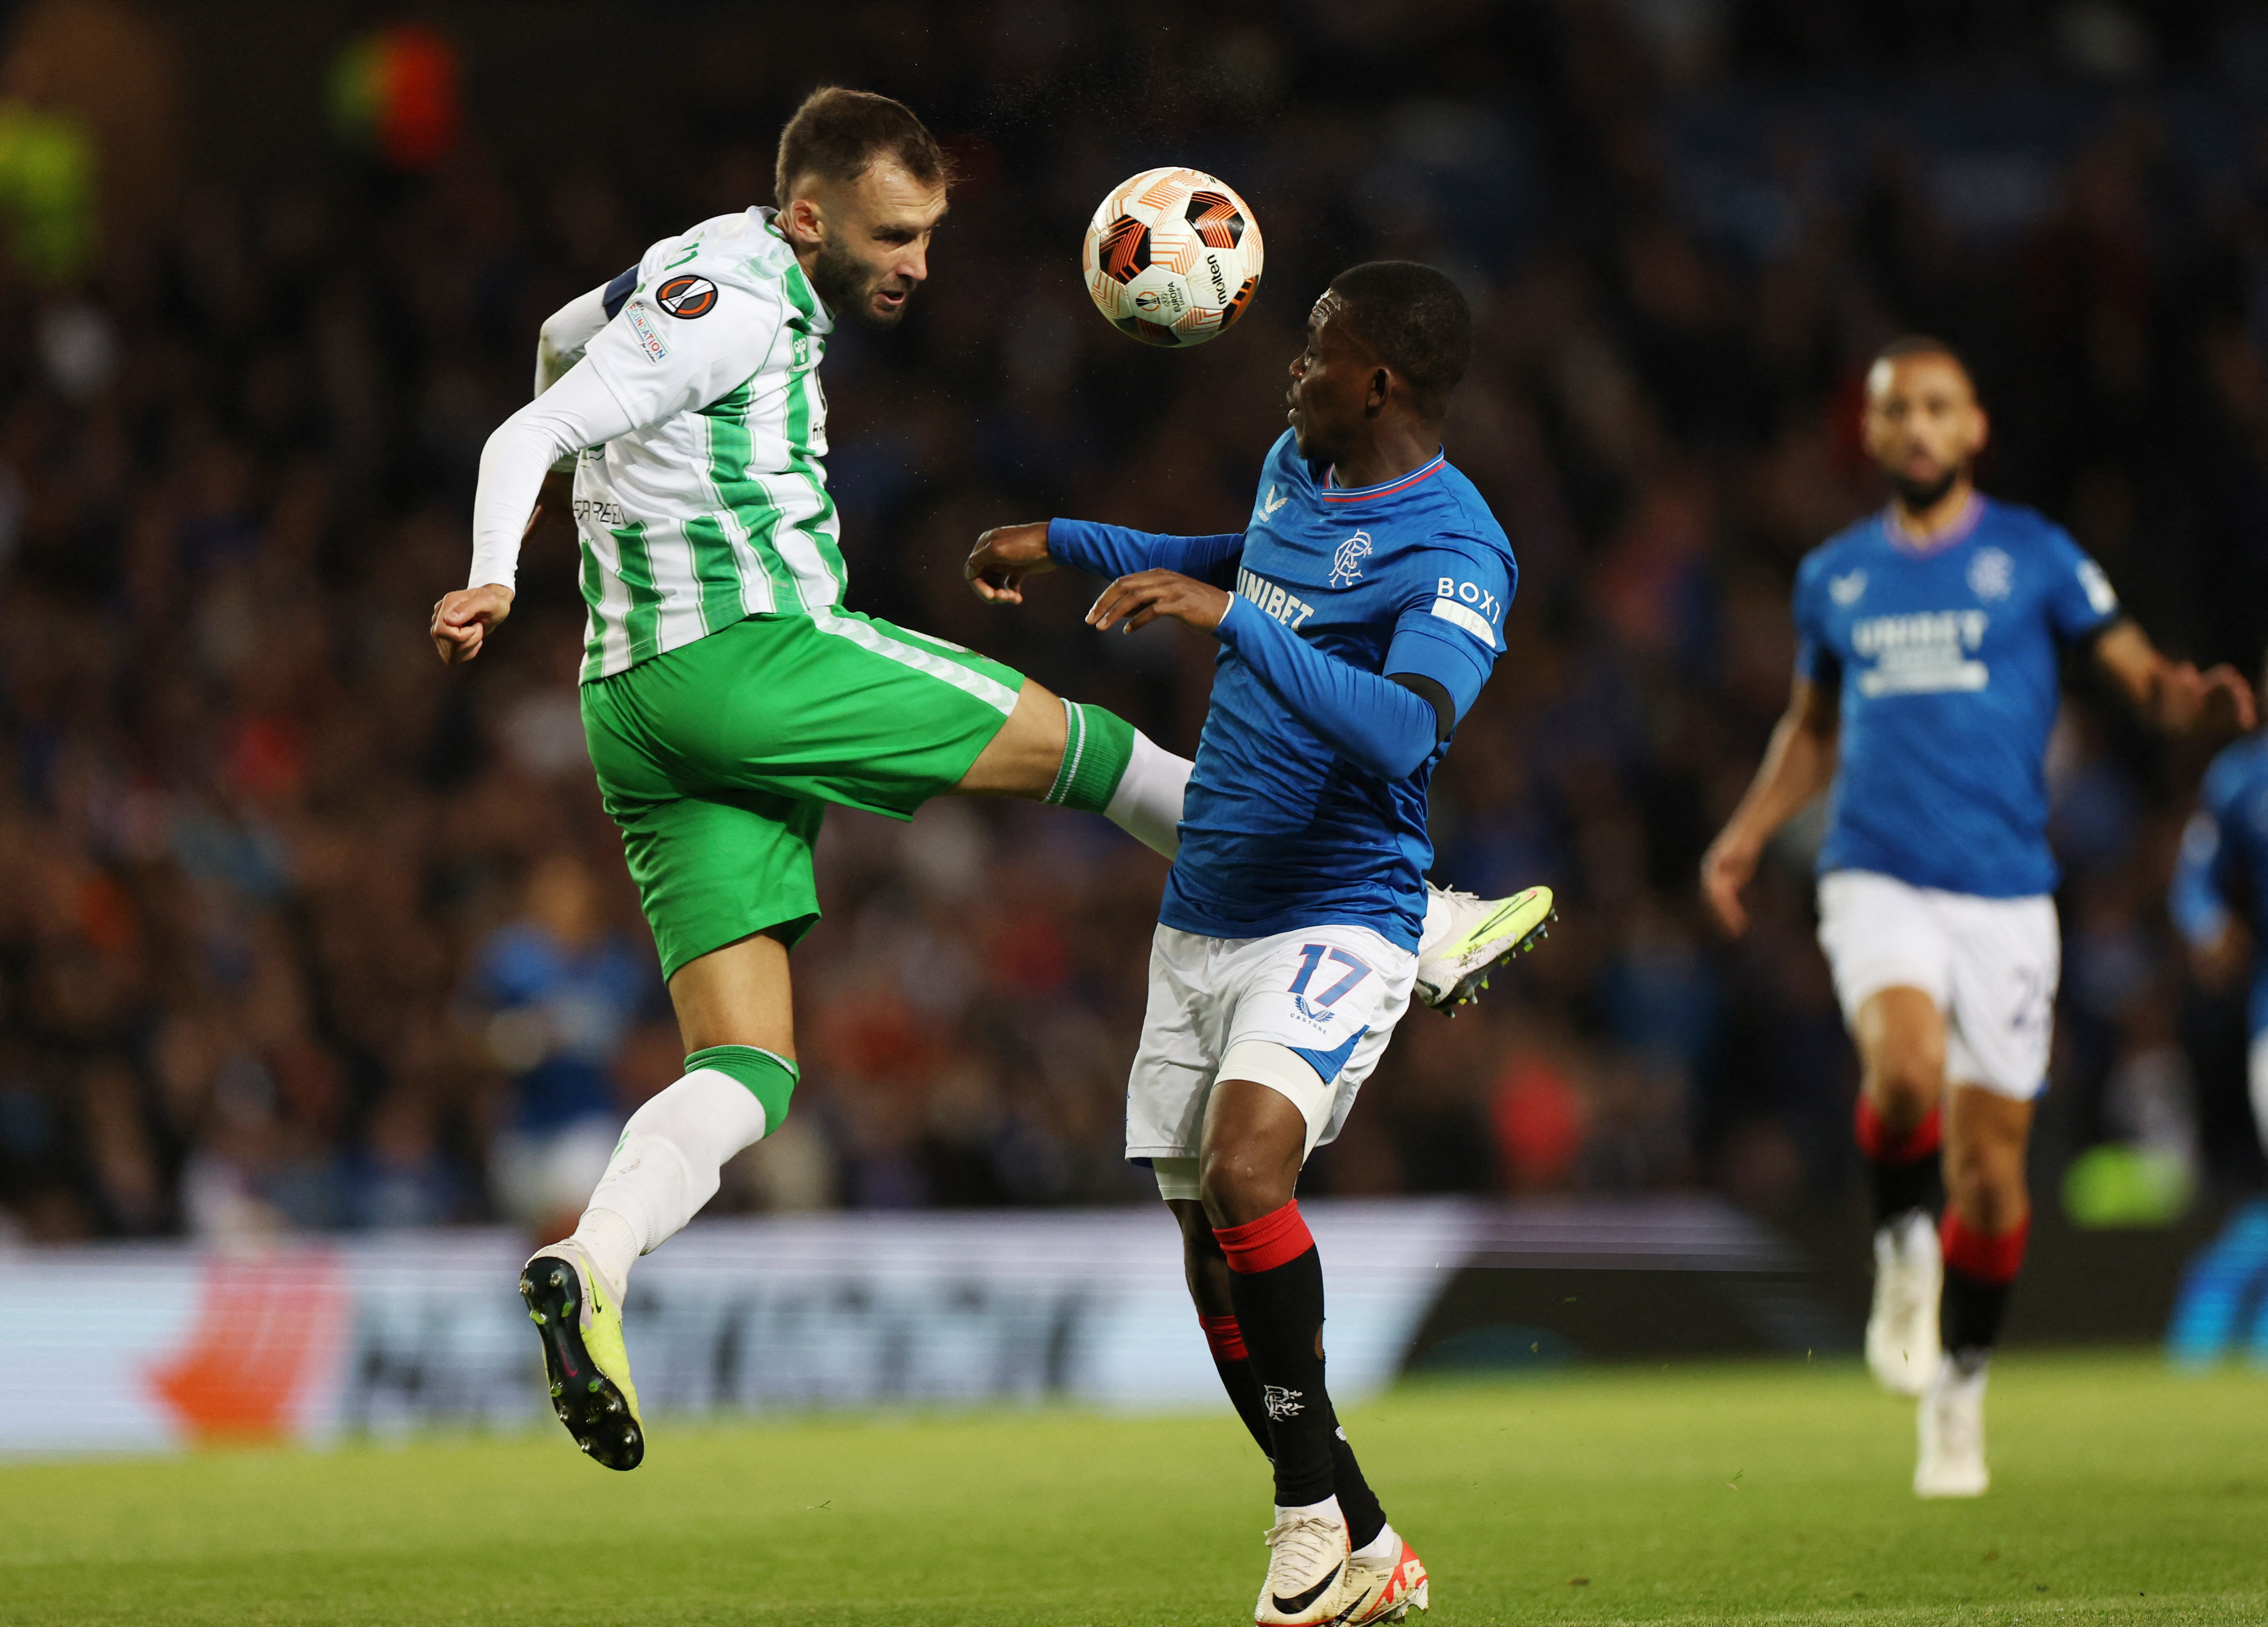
column 667, row 1164
column 1979, row 1270
column 1903, row 1169
column 1365, row 1518
column 1276, row 1281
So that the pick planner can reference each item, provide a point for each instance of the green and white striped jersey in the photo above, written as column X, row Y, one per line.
column 712, row 506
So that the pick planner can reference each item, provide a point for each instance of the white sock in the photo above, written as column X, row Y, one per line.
column 1439, row 919
column 666, row 1168
column 1383, row 1548
column 1328, row 1509
column 1147, row 805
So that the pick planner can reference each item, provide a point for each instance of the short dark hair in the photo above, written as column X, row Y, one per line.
column 1416, row 320
column 837, row 134
column 1920, row 344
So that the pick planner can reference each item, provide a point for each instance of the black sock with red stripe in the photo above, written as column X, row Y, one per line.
column 1233, row 1363
column 1902, row 1166
column 1980, row 1270
column 1276, row 1281
column 1365, row 1518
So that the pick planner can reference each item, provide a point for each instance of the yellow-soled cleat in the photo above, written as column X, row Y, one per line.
column 584, row 1357
column 1466, row 938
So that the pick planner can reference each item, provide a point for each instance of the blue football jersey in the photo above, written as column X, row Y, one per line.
column 2223, row 868
column 1277, row 831
column 1949, row 661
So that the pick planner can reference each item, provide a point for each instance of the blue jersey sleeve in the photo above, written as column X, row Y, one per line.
column 1454, row 630
column 1376, row 724
column 1117, row 551
column 1814, row 658
column 2080, row 599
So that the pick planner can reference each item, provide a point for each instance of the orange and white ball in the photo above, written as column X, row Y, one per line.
column 1172, row 257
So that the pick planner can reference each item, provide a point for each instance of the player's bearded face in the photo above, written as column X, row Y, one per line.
column 872, row 250
column 1923, row 426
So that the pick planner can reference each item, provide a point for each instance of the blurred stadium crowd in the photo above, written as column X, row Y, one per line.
column 298, row 930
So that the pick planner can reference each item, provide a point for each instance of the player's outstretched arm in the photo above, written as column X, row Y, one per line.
column 1798, row 765
column 2175, row 696
column 1379, row 724
column 1003, row 556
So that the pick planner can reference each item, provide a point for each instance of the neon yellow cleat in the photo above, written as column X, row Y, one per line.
column 582, row 1354
column 1466, row 938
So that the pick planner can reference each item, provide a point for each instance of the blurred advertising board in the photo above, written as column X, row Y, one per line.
column 142, row 1347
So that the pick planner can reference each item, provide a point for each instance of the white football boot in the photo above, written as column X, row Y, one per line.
column 1306, row 1584
column 1466, row 936
column 1952, row 1429
column 1902, row 1342
column 1385, row 1589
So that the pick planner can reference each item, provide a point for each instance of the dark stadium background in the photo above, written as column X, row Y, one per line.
column 251, row 833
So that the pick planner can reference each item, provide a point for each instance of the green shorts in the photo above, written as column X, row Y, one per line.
column 717, row 759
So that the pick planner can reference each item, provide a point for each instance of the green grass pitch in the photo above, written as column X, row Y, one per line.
column 1765, row 1492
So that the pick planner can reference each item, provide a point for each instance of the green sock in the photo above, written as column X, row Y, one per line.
column 1097, row 746
column 770, row 1079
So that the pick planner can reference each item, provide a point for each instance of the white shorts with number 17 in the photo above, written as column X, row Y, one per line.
column 1990, row 964
column 1329, row 994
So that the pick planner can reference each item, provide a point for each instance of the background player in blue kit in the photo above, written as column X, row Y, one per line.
column 1930, row 637
column 1367, row 607
column 2219, row 904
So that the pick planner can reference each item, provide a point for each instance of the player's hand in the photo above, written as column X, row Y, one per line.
column 1003, row 557
column 2216, row 702
column 461, row 621
column 1725, row 868
column 1138, row 600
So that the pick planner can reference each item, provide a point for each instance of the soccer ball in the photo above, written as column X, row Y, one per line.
column 1172, row 257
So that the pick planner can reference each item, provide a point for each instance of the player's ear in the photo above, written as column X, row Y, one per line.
column 802, row 218
column 1984, row 432
column 1381, row 388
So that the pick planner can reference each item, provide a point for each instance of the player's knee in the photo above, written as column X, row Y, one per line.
column 1984, row 1184
column 1904, row 1083
column 1241, row 1183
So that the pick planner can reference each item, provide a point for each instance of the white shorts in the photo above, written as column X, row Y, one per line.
column 1329, row 994
column 1990, row 965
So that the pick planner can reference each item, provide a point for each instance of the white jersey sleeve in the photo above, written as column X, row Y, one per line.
column 566, row 333
column 659, row 362
column 650, row 363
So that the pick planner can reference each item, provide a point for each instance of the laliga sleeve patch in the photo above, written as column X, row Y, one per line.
column 686, row 298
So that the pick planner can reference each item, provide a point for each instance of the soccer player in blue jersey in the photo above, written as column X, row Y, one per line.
column 1359, row 613
column 2219, row 904
column 1930, row 637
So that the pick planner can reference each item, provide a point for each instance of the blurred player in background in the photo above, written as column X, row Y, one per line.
column 2219, row 904
column 1930, row 637
column 1369, row 593
column 728, row 695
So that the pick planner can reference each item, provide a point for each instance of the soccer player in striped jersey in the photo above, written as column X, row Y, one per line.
column 728, row 696
column 1930, row 637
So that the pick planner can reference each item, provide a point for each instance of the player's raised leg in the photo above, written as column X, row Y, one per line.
column 1987, row 1222
column 1900, row 1033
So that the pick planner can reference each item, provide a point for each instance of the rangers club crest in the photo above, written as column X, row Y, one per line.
column 1991, row 574
column 1346, row 564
